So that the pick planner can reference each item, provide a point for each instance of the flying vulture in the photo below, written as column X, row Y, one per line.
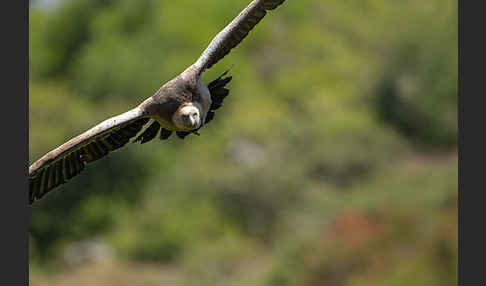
column 182, row 105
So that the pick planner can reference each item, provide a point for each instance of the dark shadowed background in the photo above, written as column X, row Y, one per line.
column 333, row 161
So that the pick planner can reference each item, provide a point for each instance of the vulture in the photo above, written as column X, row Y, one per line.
column 182, row 106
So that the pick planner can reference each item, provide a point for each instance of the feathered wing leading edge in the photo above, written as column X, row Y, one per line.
column 68, row 160
column 235, row 32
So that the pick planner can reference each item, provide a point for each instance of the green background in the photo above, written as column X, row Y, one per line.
column 333, row 160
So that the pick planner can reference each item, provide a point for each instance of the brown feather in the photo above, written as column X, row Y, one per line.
column 235, row 32
column 65, row 162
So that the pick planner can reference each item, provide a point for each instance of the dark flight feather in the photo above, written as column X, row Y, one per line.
column 165, row 134
column 149, row 133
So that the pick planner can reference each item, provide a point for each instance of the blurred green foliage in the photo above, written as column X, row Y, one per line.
column 332, row 162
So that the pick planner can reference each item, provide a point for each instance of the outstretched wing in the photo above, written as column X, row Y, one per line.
column 68, row 160
column 235, row 32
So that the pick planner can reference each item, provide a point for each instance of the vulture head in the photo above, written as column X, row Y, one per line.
column 187, row 117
